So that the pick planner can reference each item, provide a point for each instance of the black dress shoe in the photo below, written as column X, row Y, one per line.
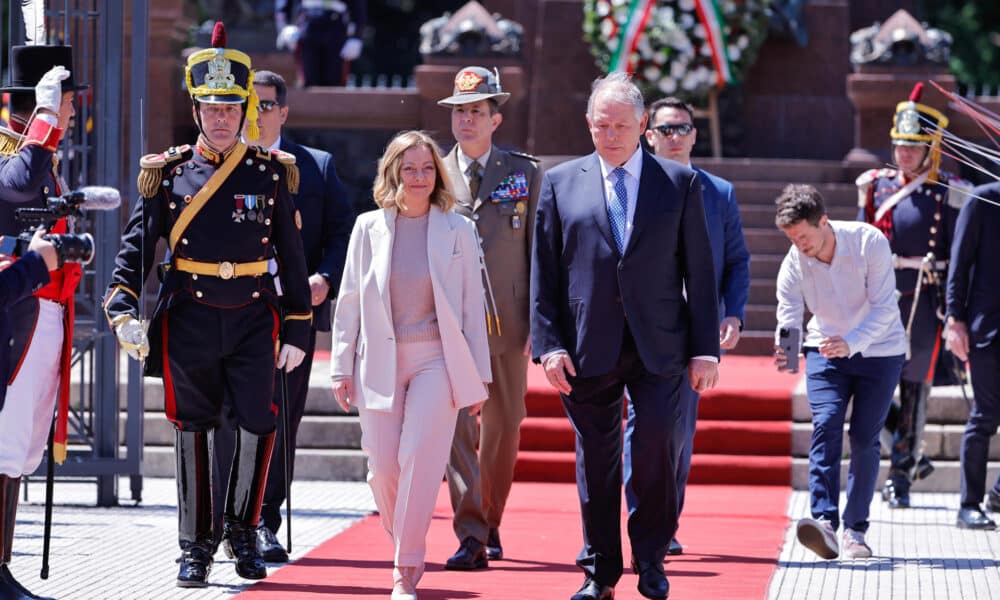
column 652, row 581
column 897, row 493
column 993, row 501
column 269, row 547
column 675, row 548
column 494, row 551
column 196, row 563
column 972, row 517
column 592, row 590
column 240, row 542
column 471, row 555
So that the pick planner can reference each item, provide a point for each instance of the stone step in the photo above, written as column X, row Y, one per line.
column 755, row 343
column 765, row 241
column 941, row 442
column 946, row 405
column 763, row 193
column 762, row 215
column 777, row 170
column 765, row 266
column 946, row 477
column 762, row 291
column 315, row 431
column 760, row 317
column 312, row 464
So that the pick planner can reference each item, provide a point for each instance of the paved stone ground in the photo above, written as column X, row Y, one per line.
column 918, row 554
column 128, row 552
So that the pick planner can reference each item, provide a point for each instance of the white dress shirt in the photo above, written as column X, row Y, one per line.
column 854, row 296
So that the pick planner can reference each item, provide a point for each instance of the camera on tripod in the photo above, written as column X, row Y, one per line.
column 71, row 246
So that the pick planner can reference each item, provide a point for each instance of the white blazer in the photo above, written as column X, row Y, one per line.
column 364, row 343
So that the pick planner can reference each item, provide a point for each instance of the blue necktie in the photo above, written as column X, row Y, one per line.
column 618, row 210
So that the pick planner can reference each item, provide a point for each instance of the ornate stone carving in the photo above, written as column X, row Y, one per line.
column 472, row 31
column 900, row 41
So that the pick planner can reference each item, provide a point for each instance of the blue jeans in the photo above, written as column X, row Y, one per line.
column 831, row 384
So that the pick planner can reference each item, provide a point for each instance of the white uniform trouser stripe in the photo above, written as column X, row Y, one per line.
column 27, row 413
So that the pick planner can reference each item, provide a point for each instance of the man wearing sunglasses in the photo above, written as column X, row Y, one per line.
column 672, row 135
column 327, row 221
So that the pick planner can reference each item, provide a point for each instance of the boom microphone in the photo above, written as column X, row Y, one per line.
column 95, row 197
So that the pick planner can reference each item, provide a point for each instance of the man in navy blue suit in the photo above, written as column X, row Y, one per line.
column 326, row 224
column 973, row 322
column 618, row 235
column 672, row 135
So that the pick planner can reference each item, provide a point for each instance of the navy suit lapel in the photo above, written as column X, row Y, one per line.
column 649, row 199
column 593, row 180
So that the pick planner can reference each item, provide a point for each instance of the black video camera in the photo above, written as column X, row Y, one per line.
column 70, row 247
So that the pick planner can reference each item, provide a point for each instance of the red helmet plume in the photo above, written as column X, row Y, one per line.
column 219, row 35
column 918, row 89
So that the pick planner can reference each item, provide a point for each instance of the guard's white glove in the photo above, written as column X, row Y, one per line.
column 132, row 336
column 351, row 49
column 290, row 357
column 288, row 37
column 48, row 92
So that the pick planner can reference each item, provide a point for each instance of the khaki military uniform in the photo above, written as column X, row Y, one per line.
column 504, row 213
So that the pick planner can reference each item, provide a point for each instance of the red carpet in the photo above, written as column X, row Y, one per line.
column 732, row 537
column 743, row 436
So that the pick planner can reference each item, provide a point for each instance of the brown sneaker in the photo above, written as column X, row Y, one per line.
column 818, row 536
column 854, row 546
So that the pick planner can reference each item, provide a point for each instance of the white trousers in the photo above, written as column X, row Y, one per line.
column 408, row 448
column 27, row 412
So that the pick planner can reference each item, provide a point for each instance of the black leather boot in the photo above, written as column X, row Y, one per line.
column 906, row 448
column 194, row 507
column 243, row 499
column 10, row 588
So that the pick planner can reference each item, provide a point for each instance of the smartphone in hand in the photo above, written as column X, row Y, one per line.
column 788, row 341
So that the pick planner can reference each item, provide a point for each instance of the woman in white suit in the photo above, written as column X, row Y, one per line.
column 409, row 340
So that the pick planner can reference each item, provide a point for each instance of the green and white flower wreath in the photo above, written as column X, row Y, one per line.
column 680, row 48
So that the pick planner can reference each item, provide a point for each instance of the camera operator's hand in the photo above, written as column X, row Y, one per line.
column 46, row 249
column 48, row 92
column 132, row 337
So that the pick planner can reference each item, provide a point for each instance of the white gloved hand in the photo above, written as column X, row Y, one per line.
column 290, row 357
column 132, row 337
column 351, row 49
column 48, row 92
column 288, row 37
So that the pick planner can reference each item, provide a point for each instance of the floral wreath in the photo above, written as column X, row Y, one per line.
column 682, row 48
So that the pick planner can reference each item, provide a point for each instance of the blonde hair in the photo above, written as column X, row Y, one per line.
column 388, row 188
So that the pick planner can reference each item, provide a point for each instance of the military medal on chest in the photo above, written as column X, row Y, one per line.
column 511, row 197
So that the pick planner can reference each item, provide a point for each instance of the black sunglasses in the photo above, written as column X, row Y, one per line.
column 680, row 129
column 268, row 105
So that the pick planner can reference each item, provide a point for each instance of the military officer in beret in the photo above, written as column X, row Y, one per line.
column 498, row 190
column 916, row 206
column 38, row 346
column 220, row 326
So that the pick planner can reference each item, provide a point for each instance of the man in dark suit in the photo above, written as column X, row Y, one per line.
column 327, row 220
column 672, row 135
column 618, row 235
column 971, row 333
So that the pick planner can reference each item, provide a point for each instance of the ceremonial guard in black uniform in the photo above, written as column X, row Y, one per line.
column 916, row 206
column 329, row 36
column 232, row 229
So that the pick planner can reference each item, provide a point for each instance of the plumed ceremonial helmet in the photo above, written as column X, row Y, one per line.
column 223, row 75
